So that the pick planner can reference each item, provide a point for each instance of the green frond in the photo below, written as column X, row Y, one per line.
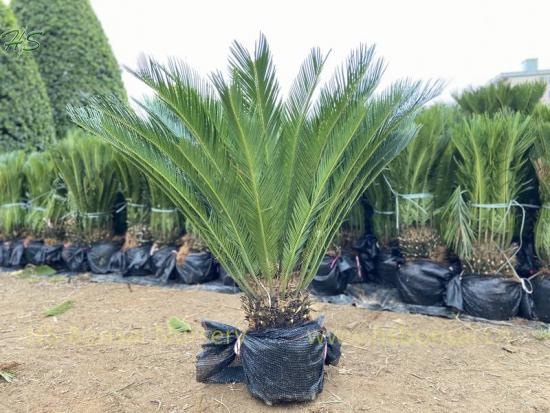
column 265, row 180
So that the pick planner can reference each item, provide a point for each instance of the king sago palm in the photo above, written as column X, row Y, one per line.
column 412, row 180
column 47, row 206
column 481, row 215
column 265, row 180
column 12, row 207
column 86, row 165
column 540, row 158
column 134, row 187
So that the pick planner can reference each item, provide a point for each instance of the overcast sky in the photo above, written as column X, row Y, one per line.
column 464, row 42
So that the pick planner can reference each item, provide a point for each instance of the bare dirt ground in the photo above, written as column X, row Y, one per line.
column 113, row 352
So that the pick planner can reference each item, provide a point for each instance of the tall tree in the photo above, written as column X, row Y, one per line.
column 74, row 58
column 25, row 113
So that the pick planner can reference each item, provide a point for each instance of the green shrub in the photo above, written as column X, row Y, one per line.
column 25, row 113
column 74, row 57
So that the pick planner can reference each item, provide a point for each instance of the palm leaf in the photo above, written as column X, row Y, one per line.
column 264, row 180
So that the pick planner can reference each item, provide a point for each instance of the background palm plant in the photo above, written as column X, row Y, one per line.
column 266, row 182
column 12, row 207
column 412, row 178
column 166, row 222
column 86, row 165
column 496, row 97
column 480, row 216
column 46, row 205
column 540, row 158
column 135, row 189
column 382, row 201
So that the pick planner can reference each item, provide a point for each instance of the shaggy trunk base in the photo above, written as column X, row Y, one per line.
column 488, row 259
column 422, row 243
column 280, row 310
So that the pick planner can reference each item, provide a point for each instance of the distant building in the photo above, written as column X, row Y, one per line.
column 530, row 73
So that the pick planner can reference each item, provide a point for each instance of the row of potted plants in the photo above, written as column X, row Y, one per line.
column 457, row 206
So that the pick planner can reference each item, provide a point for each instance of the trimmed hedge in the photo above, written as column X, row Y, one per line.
column 25, row 114
column 75, row 59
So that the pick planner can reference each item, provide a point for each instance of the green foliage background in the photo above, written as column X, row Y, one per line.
column 74, row 58
column 25, row 113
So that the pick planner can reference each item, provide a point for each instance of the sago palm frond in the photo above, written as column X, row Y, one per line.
column 134, row 187
column 496, row 97
column 265, row 180
column 540, row 158
column 45, row 205
column 413, row 172
column 490, row 158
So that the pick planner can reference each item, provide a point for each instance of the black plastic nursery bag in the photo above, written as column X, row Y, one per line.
column 100, row 255
column 38, row 253
column 277, row 364
column 366, row 251
column 423, row 282
column 198, row 268
column 541, row 298
column 138, row 260
column 333, row 276
column 75, row 257
column 486, row 296
column 163, row 263
column 16, row 254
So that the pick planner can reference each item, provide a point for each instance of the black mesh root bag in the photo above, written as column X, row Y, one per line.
column 277, row 364
column 423, row 282
column 486, row 296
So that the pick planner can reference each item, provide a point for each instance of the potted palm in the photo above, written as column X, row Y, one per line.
column 412, row 178
column 12, row 208
column 46, row 208
column 265, row 181
column 540, row 158
column 166, row 226
column 481, row 216
column 86, row 166
column 133, row 258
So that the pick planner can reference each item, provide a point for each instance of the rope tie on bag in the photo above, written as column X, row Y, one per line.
column 237, row 346
column 14, row 205
column 412, row 197
column 93, row 215
column 358, row 263
column 378, row 212
column 133, row 205
column 164, row 211
column 508, row 206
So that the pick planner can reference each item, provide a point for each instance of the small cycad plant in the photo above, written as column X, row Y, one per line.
column 46, row 204
column 481, row 215
column 412, row 180
column 86, row 165
column 266, row 180
column 12, row 205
